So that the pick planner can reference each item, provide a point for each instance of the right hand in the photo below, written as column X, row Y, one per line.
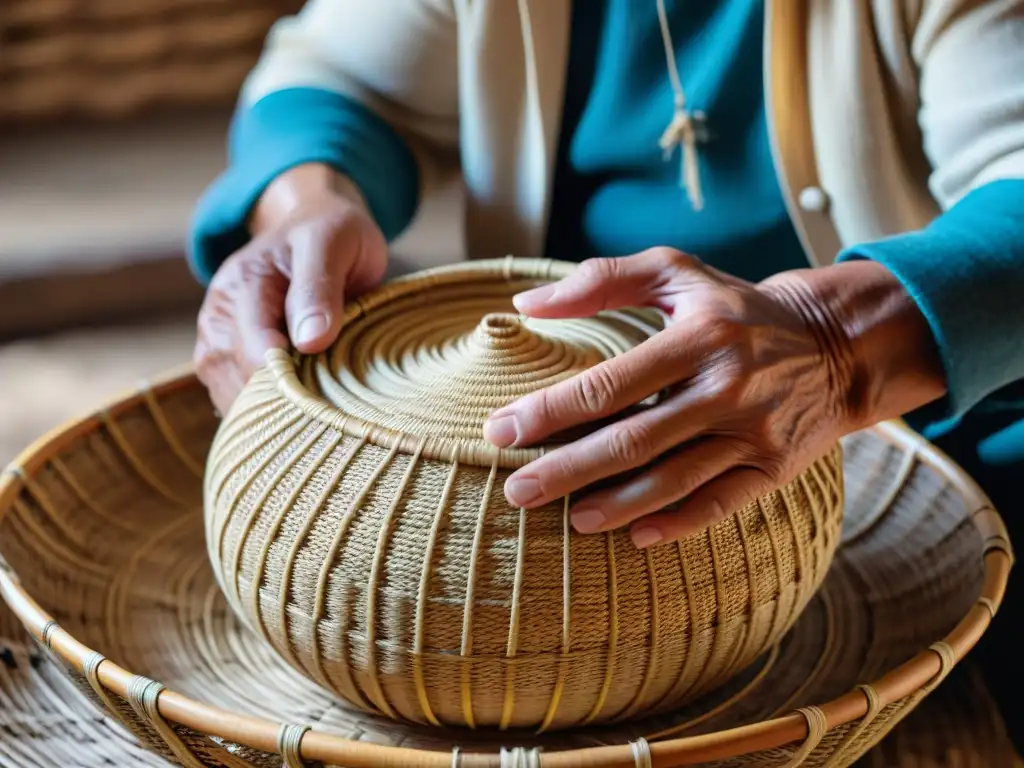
column 311, row 249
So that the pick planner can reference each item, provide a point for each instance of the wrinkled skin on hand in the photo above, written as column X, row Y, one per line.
column 288, row 282
column 756, row 380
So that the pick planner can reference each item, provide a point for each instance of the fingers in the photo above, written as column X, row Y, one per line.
column 216, row 359
column 605, row 284
column 368, row 268
column 294, row 279
column 597, row 393
column 325, row 266
column 666, row 483
column 241, row 317
column 222, row 377
column 257, row 306
column 610, row 451
column 714, row 501
column 316, row 297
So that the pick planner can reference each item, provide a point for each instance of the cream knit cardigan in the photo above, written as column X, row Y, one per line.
column 882, row 113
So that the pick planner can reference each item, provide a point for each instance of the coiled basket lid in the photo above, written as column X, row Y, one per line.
column 104, row 564
column 356, row 520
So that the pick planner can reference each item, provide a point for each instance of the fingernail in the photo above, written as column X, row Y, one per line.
column 522, row 491
column 311, row 328
column 587, row 520
column 646, row 537
column 501, row 431
column 542, row 295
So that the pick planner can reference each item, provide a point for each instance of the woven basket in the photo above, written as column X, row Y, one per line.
column 110, row 58
column 101, row 530
column 356, row 520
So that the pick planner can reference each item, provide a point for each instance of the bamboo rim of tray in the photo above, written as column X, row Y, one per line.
column 916, row 674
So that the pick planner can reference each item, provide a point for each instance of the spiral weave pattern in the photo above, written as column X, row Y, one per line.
column 355, row 518
column 406, row 376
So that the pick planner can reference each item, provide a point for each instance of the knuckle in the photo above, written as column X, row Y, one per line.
column 726, row 368
column 721, row 382
column 596, row 390
column 718, row 330
column 673, row 259
column 600, row 270
column 252, row 266
column 564, row 466
column 684, row 483
column 630, row 444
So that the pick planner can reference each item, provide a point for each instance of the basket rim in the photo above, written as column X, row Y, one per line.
column 285, row 365
column 260, row 733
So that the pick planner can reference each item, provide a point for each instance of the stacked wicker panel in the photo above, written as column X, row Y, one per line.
column 111, row 58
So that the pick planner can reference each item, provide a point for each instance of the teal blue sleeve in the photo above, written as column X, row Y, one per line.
column 1006, row 446
column 289, row 128
column 966, row 273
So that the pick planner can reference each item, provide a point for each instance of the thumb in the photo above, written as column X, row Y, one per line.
column 596, row 286
column 316, row 295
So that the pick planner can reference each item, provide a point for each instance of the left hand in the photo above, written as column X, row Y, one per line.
column 758, row 381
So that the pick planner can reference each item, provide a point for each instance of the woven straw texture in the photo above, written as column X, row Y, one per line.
column 371, row 544
column 110, row 58
column 48, row 722
column 102, row 534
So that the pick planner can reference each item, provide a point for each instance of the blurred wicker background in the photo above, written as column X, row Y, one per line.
column 114, row 58
column 112, row 120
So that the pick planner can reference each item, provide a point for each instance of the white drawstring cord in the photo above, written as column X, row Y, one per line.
column 682, row 129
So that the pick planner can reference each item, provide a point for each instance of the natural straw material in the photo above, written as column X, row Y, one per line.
column 362, row 530
column 110, row 58
column 47, row 723
column 101, row 530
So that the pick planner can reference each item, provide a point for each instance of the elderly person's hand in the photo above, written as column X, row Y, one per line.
column 757, row 381
column 313, row 244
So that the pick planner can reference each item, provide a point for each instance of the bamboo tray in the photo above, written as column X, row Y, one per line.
column 48, row 723
column 102, row 536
